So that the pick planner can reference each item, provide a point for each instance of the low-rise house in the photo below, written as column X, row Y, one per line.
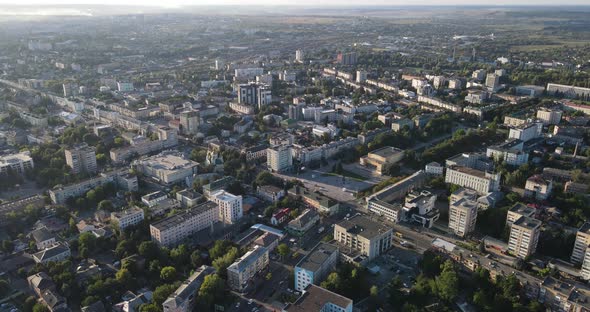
column 43, row 238
column 303, row 222
column 280, row 217
column 538, row 187
column 55, row 253
column 184, row 298
column 270, row 193
column 40, row 282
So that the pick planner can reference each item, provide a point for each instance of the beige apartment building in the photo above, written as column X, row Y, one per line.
column 462, row 216
column 524, row 236
column 361, row 234
column 174, row 229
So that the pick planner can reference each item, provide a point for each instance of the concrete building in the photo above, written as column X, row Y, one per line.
column 319, row 202
column 492, row 82
column 381, row 158
column 184, row 298
column 316, row 265
column 299, row 56
column 188, row 198
column 361, row 234
column 434, row 168
column 230, row 206
column 279, row 158
column 120, row 178
column 518, row 211
column 585, row 271
column 391, row 211
column 167, row 138
column 462, row 216
column 125, row 86
column 305, row 221
column 81, row 158
column 567, row 91
column 549, row 116
column 530, row 90
column 172, row 230
column 581, row 244
column 190, row 122
column 511, row 151
column 361, row 76
column 524, row 236
column 241, row 272
column 166, row 168
column 538, row 187
column 270, row 193
column 17, row 163
column 526, row 132
column 315, row 298
column 253, row 94
column 479, row 74
column 480, row 181
column 128, row 217
column 43, row 238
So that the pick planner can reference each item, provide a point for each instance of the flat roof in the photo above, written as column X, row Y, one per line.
column 315, row 298
column 183, row 216
column 522, row 209
column 386, row 151
column 469, row 171
column 317, row 256
column 527, row 222
column 363, row 226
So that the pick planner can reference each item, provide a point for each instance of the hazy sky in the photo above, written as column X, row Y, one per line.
column 168, row 3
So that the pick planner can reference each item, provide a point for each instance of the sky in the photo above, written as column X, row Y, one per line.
column 176, row 3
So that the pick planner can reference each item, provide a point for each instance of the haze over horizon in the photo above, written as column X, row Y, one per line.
column 177, row 3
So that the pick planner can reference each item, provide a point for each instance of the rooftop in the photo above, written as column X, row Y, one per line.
column 522, row 209
column 317, row 256
column 247, row 259
column 183, row 216
column 386, row 151
column 126, row 212
column 363, row 226
column 189, row 287
column 528, row 223
column 315, row 298
column 469, row 171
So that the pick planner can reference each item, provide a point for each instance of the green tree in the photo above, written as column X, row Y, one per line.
column 39, row 307
column 447, row 283
column 149, row 307
column 196, row 260
column 149, row 250
column 168, row 274
column 283, row 250
column 162, row 292
column 212, row 290
column 124, row 277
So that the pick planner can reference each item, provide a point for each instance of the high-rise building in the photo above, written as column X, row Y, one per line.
column 254, row 94
column 299, row 56
column 190, row 121
column 582, row 243
column 585, row 272
column 361, row 76
column 524, row 236
column 346, row 58
column 230, row 206
column 462, row 216
column 81, row 158
column 492, row 82
column 279, row 158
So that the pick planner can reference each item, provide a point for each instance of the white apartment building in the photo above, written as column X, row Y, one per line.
column 81, row 158
column 549, row 116
column 230, row 206
column 18, row 163
column 172, row 230
column 279, row 158
column 246, row 267
column 518, row 211
column 524, row 236
column 128, row 217
column 184, row 298
column 581, row 244
column 121, row 179
column 511, row 152
column 462, row 217
column 299, row 56
column 480, row 181
column 538, row 187
column 526, row 132
column 363, row 235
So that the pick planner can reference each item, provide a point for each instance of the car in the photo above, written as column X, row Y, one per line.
column 250, row 301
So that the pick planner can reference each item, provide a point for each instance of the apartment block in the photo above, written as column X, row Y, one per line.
column 81, row 158
column 17, row 163
column 538, row 187
column 230, row 206
column 511, row 151
column 128, row 217
column 581, row 244
column 549, row 116
column 482, row 182
column 279, row 158
column 122, row 179
column 518, row 211
column 241, row 272
column 526, row 132
column 172, row 230
column 315, row 298
column 316, row 265
column 361, row 234
column 184, row 298
column 524, row 236
column 462, row 216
